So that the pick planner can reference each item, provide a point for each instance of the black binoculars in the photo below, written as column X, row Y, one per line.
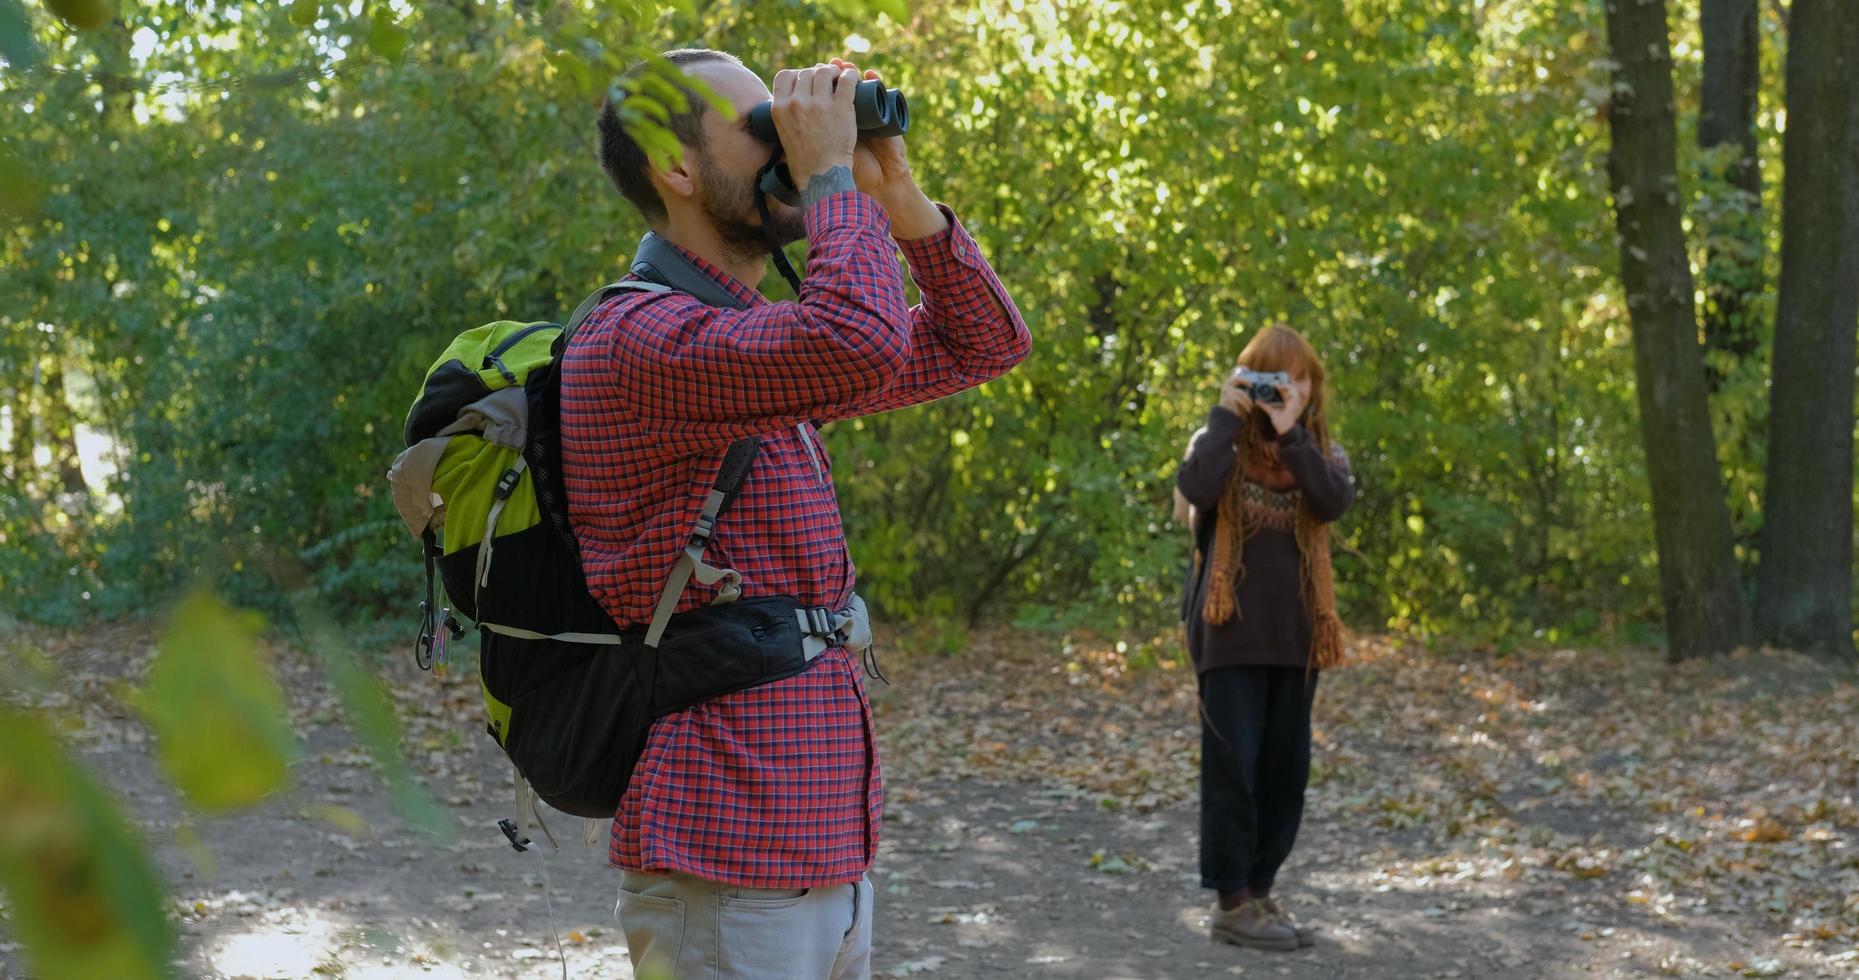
column 880, row 111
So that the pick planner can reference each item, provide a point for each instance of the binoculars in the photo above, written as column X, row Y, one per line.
column 880, row 112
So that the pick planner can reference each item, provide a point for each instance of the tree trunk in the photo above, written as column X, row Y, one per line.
column 1804, row 584
column 1704, row 607
column 22, row 465
column 1727, row 119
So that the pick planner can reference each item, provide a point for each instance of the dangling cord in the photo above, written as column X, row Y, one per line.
column 548, row 899
column 782, row 264
column 871, row 666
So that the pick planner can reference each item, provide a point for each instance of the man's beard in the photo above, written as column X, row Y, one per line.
column 729, row 203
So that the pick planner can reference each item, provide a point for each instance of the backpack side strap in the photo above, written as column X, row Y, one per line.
column 691, row 562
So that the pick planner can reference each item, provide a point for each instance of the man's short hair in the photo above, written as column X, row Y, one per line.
column 622, row 157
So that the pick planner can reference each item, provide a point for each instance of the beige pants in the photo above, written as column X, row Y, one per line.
column 683, row 928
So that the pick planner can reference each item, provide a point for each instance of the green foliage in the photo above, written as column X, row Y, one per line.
column 1415, row 193
column 254, row 224
column 81, row 894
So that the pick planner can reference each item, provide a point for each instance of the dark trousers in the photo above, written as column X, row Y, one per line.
column 1255, row 762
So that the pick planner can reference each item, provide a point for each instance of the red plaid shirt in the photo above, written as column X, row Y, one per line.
column 776, row 786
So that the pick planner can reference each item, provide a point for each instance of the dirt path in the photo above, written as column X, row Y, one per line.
column 1041, row 823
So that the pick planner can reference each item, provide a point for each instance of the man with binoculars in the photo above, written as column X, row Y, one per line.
column 750, row 820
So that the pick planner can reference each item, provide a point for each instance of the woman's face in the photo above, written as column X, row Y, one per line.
column 1301, row 381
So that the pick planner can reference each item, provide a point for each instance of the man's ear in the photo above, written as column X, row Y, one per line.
column 679, row 179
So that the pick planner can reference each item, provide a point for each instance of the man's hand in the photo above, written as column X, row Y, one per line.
column 881, row 169
column 879, row 165
column 813, row 113
column 1233, row 396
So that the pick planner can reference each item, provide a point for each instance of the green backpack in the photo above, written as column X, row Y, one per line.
column 568, row 694
column 483, row 466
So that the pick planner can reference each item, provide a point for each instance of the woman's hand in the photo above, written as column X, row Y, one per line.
column 1233, row 396
column 1285, row 414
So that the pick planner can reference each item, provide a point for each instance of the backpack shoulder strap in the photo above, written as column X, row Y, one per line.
column 601, row 295
column 657, row 260
column 659, row 269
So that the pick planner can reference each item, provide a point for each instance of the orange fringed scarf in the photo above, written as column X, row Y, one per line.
column 1236, row 523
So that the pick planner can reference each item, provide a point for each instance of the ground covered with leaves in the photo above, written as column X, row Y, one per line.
column 1538, row 814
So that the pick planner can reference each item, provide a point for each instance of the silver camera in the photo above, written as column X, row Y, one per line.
column 1262, row 386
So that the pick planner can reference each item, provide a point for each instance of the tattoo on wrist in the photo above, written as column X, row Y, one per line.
column 823, row 185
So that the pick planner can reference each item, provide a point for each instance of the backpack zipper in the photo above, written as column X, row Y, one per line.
column 495, row 357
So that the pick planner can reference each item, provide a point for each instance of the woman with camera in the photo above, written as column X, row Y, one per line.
column 1265, row 482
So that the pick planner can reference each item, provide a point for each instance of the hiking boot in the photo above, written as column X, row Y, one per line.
column 1306, row 936
column 1251, row 925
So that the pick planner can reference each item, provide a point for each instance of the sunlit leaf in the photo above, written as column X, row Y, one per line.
column 668, row 92
column 84, row 15
column 647, row 106
column 216, row 708
column 897, row 10
column 387, row 38
column 303, row 13
column 703, row 90
column 574, row 67
column 80, row 893
column 22, row 193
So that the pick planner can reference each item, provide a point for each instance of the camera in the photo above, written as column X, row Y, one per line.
column 880, row 112
column 1262, row 386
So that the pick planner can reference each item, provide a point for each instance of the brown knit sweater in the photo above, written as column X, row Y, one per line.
column 1272, row 628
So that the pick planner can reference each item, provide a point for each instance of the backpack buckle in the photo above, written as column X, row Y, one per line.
column 511, row 834
column 441, row 639
column 821, row 623
column 506, row 485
